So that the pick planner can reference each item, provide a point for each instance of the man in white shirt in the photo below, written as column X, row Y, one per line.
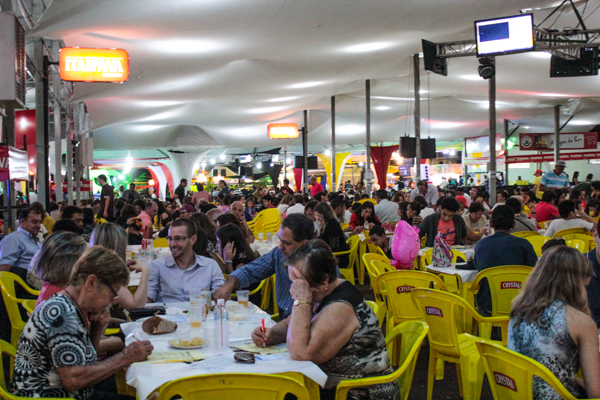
column 298, row 207
column 570, row 217
column 386, row 211
column 429, row 191
column 444, row 183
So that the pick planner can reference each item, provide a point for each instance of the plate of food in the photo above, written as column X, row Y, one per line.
column 187, row 344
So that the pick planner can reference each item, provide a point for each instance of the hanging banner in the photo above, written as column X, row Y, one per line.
column 536, row 158
column 545, row 141
column 13, row 164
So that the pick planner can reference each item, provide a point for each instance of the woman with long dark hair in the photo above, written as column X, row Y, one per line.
column 233, row 247
column 330, row 231
column 365, row 217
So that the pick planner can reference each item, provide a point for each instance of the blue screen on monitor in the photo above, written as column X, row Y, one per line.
column 493, row 32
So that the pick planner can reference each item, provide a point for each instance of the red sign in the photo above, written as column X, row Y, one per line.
column 77, row 64
column 505, row 381
column 404, row 289
column 84, row 187
column 545, row 141
column 510, row 285
column 537, row 158
column 434, row 311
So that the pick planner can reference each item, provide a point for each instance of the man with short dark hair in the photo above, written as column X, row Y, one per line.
column 427, row 190
column 298, row 207
column 555, row 178
column 447, row 222
column 18, row 248
column 130, row 195
column 379, row 238
column 180, row 191
column 386, row 211
column 315, row 187
column 286, row 189
column 522, row 221
column 139, row 206
column 501, row 248
column 321, row 197
column 501, row 198
column 172, row 277
column 147, row 217
column 570, row 217
column 73, row 213
column 267, row 201
column 475, row 222
column 296, row 229
column 107, row 199
column 545, row 210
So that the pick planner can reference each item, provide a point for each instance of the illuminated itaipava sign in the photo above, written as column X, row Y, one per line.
column 78, row 64
column 283, row 131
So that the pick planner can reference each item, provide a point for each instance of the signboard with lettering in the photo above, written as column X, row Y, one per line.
column 78, row 64
column 510, row 285
column 434, row 311
column 545, row 141
column 538, row 158
column 404, row 289
column 505, row 381
column 282, row 131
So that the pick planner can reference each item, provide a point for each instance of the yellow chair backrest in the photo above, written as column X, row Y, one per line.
column 348, row 273
column 569, row 231
column 396, row 286
column 544, row 224
column 344, row 225
column 233, row 386
column 161, row 242
column 589, row 240
column 505, row 283
column 578, row 244
column 511, row 374
column 368, row 257
column 256, row 223
column 11, row 302
column 409, row 336
column 269, row 220
column 537, row 242
column 363, row 201
column 523, row 234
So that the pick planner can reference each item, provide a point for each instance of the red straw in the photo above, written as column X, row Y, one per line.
column 262, row 321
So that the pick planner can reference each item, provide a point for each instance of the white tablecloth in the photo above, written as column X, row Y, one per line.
column 465, row 275
column 264, row 247
column 147, row 377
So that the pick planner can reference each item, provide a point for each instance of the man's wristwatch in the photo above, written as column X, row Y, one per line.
column 296, row 302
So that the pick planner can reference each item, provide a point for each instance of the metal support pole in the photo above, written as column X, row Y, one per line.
column 69, row 177
column 285, row 162
column 305, row 153
column 368, row 131
column 78, row 168
column 41, row 122
column 10, row 199
column 556, row 133
column 492, row 165
column 417, row 73
column 333, row 185
column 465, row 169
column 58, row 179
column 506, row 151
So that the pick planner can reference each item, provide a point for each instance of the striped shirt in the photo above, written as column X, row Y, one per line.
column 551, row 180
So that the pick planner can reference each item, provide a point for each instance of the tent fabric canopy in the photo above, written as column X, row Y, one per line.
column 381, row 160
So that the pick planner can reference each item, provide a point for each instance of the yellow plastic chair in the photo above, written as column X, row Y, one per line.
column 348, row 273
column 544, row 224
column 582, row 236
column 344, row 225
column 537, row 242
column 427, row 257
column 380, row 255
column 569, row 232
column 443, row 312
column 363, row 201
column 505, row 283
column 375, row 268
column 8, row 350
column 523, row 234
column 233, row 386
column 578, row 244
column 511, row 374
column 256, row 223
column 410, row 335
column 11, row 302
column 161, row 242
column 453, row 282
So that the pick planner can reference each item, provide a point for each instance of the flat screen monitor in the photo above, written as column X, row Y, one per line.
column 246, row 159
column 506, row 35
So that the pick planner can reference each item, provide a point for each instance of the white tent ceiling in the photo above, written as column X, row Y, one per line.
column 212, row 74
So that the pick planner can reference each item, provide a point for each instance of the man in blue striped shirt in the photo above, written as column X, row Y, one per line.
column 555, row 178
column 296, row 229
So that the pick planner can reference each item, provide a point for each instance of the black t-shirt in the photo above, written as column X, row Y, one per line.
column 133, row 239
column 593, row 289
column 180, row 192
column 107, row 191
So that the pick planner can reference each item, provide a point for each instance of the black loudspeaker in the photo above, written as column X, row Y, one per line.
column 586, row 65
column 313, row 162
column 432, row 62
column 428, row 148
column 407, row 147
column 246, row 171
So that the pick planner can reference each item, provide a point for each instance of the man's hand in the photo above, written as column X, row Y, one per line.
column 99, row 321
column 259, row 338
column 224, row 292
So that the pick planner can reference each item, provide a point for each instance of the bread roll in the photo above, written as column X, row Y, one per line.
column 157, row 325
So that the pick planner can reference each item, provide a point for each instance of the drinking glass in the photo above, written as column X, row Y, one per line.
column 243, row 297
column 195, row 315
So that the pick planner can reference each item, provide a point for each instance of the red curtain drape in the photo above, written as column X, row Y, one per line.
column 298, row 179
column 381, row 157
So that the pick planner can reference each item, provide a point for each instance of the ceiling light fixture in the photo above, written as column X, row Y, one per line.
column 259, row 165
column 382, row 108
column 305, row 85
column 327, row 152
column 280, row 99
column 367, row 47
column 222, row 157
column 213, row 161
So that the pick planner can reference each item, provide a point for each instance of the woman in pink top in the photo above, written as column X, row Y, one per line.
column 55, row 260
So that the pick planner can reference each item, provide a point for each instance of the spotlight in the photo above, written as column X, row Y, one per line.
column 487, row 68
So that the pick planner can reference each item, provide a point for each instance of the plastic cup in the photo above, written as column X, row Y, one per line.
column 194, row 296
column 218, row 335
column 243, row 297
column 195, row 315
column 261, row 236
column 269, row 236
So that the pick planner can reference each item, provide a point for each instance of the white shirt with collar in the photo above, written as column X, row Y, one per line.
column 387, row 211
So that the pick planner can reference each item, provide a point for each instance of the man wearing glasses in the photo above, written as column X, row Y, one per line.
column 172, row 277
